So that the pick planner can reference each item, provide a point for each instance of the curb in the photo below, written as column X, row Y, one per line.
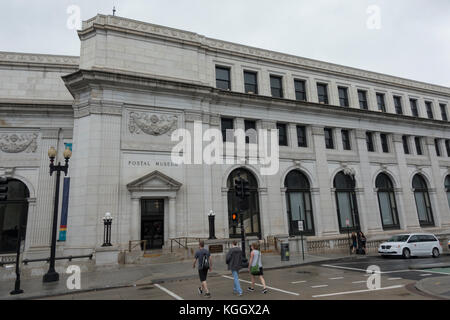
column 420, row 287
column 429, row 266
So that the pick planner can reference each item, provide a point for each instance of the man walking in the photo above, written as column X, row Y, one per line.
column 204, row 264
column 234, row 262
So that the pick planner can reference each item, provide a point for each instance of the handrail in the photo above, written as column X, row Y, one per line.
column 26, row 261
column 137, row 243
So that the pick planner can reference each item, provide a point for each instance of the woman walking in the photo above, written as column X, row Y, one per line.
column 255, row 267
column 354, row 242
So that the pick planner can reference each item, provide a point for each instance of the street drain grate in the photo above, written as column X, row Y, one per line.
column 146, row 288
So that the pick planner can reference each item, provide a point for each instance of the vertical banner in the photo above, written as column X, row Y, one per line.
column 65, row 203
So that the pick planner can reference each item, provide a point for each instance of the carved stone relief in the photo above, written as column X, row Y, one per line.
column 151, row 123
column 15, row 143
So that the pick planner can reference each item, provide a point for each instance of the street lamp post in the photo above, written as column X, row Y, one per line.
column 212, row 228
column 51, row 274
column 107, row 221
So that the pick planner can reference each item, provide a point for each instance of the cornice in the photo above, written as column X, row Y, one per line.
column 17, row 59
column 124, row 24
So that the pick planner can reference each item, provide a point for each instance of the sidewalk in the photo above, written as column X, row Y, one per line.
column 436, row 286
column 132, row 275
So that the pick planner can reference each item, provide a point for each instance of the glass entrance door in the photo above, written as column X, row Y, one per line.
column 152, row 222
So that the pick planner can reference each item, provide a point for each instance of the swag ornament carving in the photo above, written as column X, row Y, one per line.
column 151, row 124
column 15, row 143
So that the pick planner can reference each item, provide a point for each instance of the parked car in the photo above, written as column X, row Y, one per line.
column 408, row 245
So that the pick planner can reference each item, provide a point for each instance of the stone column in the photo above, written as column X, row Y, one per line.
column 284, row 212
column 28, row 233
column 264, row 213
column 330, row 224
column 441, row 213
column 42, row 219
column 172, row 218
column 368, row 207
column 408, row 214
column 135, row 218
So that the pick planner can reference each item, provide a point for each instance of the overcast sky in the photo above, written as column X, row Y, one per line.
column 405, row 38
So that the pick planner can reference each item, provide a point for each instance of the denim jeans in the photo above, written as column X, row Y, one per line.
column 237, row 286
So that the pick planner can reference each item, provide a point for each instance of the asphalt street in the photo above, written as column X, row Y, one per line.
column 339, row 279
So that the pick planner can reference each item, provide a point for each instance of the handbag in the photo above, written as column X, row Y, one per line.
column 254, row 270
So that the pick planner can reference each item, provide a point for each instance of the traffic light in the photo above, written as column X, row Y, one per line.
column 238, row 188
column 3, row 189
column 235, row 218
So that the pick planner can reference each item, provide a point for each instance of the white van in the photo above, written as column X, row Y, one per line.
column 415, row 244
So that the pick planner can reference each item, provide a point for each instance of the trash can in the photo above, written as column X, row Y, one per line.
column 285, row 251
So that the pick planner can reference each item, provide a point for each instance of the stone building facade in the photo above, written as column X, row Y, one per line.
column 356, row 148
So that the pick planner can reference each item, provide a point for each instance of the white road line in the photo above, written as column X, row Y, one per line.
column 437, row 272
column 391, row 279
column 295, row 282
column 364, row 270
column 425, row 274
column 272, row 288
column 336, row 278
column 320, row 286
column 357, row 291
column 363, row 281
column 170, row 293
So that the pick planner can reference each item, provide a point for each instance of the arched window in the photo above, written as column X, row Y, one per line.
column 447, row 188
column 423, row 203
column 386, row 202
column 13, row 213
column 298, row 203
column 347, row 206
column 251, row 212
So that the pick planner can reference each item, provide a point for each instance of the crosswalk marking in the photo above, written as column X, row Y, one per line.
column 362, row 281
column 170, row 293
column 356, row 291
column 320, row 286
column 295, row 282
column 336, row 278
column 391, row 279
column 272, row 288
column 425, row 274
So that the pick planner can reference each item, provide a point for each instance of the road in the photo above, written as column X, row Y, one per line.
column 341, row 279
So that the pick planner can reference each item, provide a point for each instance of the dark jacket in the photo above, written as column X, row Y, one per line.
column 234, row 259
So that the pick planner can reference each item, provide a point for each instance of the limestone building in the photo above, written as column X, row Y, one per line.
column 357, row 149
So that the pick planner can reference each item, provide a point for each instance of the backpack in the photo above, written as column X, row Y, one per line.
column 205, row 262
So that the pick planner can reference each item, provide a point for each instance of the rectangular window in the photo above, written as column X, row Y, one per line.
column 437, row 147
column 384, row 143
column 301, row 136
column 329, row 144
column 223, row 78
column 282, row 134
column 362, row 96
column 443, row 111
column 250, row 82
column 414, row 110
column 418, row 146
column 380, row 102
column 250, row 131
column 405, row 144
column 429, row 107
column 369, row 141
column 447, row 147
column 226, row 124
column 322, row 93
column 346, row 140
column 276, row 86
column 300, row 90
column 343, row 96
column 398, row 105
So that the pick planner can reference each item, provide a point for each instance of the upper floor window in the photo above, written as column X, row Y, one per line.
column 322, row 93
column 398, row 105
column 380, row 102
column 343, row 96
column 223, row 78
column 414, row 110
column 282, row 134
column 301, row 136
column 443, row 111
column 405, row 144
column 418, row 144
column 300, row 89
column 369, row 141
column 276, row 86
column 447, row 147
column 437, row 147
column 362, row 97
column 384, row 143
column 250, row 131
column 227, row 124
column 429, row 107
column 329, row 143
column 250, row 82
column 346, row 139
